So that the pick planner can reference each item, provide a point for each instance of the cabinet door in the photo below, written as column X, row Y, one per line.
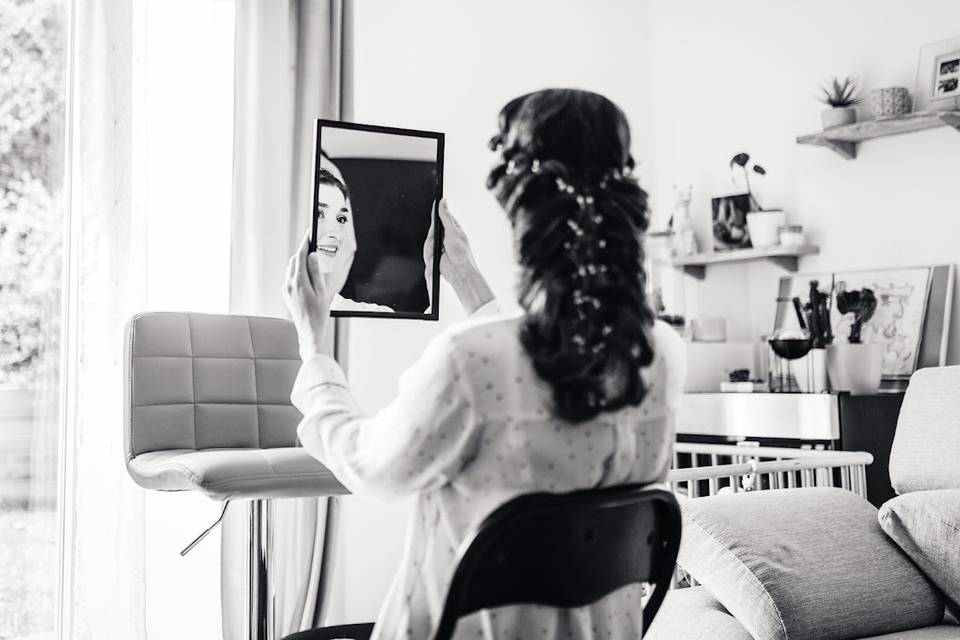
column 867, row 423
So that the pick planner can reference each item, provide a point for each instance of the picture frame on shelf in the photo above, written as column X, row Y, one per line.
column 938, row 77
column 729, row 218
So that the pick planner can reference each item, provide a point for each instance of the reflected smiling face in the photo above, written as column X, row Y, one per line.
column 334, row 225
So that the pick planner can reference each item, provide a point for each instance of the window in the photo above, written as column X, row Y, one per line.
column 32, row 119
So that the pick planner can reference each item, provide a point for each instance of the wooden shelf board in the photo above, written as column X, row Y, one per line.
column 785, row 257
column 844, row 139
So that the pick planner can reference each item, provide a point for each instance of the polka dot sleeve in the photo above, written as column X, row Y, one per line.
column 416, row 443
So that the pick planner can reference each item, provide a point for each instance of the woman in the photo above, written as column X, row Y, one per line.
column 577, row 391
column 336, row 236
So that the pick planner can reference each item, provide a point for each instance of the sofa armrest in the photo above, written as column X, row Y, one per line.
column 804, row 564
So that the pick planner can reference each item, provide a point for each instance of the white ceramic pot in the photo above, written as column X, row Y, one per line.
column 856, row 368
column 838, row 117
column 764, row 227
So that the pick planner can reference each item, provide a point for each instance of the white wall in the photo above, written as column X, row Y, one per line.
column 741, row 75
column 700, row 80
column 451, row 66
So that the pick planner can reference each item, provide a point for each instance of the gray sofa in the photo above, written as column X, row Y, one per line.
column 822, row 563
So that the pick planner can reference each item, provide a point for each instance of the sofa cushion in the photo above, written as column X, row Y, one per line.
column 926, row 525
column 926, row 445
column 804, row 564
column 694, row 614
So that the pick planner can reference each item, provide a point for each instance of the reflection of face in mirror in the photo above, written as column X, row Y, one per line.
column 334, row 219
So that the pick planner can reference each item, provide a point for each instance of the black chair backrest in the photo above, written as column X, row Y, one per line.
column 566, row 550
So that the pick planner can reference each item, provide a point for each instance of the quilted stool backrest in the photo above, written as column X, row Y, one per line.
column 205, row 381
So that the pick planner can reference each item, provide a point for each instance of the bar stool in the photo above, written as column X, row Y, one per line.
column 207, row 408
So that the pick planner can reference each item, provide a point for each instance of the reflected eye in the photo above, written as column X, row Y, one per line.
column 342, row 219
column 320, row 214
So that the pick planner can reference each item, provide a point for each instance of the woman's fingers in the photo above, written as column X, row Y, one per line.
column 447, row 218
column 291, row 266
column 301, row 275
column 428, row 242
column 313, row 270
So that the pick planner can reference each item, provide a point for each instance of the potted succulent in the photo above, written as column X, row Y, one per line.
column 840, row 96
column 763, row 225
column 854, row 366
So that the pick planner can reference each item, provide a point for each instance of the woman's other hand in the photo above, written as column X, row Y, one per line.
column 457, row 264
column 309, row 293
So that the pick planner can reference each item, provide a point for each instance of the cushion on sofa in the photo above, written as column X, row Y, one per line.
column 694, row 614
column 926, row 445
column 804, row 564
column 926, row 525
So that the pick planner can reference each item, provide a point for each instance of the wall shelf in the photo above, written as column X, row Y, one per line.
column 846, row 139
column 786, row 257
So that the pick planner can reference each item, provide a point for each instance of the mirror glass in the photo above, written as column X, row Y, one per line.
column 390, row 180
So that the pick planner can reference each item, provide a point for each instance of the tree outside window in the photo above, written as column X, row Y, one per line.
column 31, row 167
column 32, row 88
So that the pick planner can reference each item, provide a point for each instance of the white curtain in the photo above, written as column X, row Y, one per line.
column 291, row 68
column 103, row 524
column 148, row 216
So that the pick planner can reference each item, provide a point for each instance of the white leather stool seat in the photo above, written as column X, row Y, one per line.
column 208, row 408
column 227, row 474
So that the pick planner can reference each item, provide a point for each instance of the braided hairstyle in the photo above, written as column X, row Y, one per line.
column 564, row 180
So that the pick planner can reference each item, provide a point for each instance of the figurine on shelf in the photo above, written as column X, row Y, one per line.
column 684, row 239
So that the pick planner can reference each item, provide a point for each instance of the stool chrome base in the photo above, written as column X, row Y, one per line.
column 260, row 588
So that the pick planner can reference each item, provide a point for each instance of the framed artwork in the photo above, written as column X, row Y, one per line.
column 912, row 317
column 938, row 77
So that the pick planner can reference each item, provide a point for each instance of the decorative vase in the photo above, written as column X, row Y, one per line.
column 764, row 227
column 889, row 102
column 856, row 368
column 811, row 372
column 837, row 117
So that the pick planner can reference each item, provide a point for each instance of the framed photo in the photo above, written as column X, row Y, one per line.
column 912, row 320
column 938, row 77
column 729, row 217
column 379, row 185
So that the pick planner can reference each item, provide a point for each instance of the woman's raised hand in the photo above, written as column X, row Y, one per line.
column 457, row 264
column 308, row 293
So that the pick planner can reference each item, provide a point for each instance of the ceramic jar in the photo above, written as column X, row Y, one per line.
column 791, row 235
column 764, row 227
column 889, row 102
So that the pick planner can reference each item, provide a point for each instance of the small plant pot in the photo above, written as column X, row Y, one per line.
column 889, row 102
column 856, row 368
column 838, row 117
column 764, row 227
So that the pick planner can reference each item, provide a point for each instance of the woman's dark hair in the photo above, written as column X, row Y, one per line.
column 565, row 181
column 326, row 177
